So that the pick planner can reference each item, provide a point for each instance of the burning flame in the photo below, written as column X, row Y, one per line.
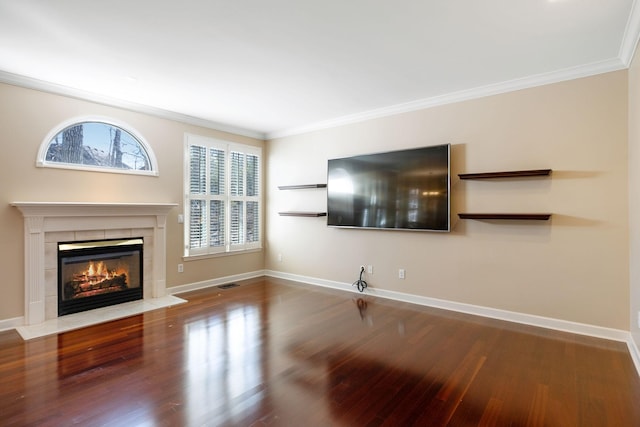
column 97, row 272
column 91, row 278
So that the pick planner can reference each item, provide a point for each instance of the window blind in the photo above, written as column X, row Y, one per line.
column 223, row 182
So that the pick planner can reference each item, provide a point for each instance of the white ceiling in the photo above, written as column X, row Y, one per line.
column 278, row 67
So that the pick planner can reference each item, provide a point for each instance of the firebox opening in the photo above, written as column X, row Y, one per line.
column 99, row 273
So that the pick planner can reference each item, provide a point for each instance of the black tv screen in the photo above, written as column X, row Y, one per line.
column 402, row 190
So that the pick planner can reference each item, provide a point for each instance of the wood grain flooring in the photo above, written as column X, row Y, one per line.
column 276, row 353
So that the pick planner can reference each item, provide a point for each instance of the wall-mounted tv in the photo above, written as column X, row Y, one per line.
column 397, row 190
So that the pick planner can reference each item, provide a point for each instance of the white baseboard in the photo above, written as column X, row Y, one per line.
column 494, row 313
column 634, row 351
column 510, row 316
column 6, row 324
column 214, row 282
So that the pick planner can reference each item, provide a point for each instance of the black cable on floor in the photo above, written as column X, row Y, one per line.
column 360, row 284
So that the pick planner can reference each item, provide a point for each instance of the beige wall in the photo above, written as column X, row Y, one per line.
column 634, row 197
column 26, row 116
column 574, row 267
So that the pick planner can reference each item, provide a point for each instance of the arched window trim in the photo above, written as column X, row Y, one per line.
column 44, row 147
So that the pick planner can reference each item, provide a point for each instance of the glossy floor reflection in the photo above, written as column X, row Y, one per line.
column 272, row 353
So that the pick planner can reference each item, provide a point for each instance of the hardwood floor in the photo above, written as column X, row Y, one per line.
column 276, row 353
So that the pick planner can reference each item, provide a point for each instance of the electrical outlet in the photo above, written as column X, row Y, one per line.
column 361, row 269
column 401, row 273
column 639, row 319
column 370, row 269
column 180, row 268
column 180, row 219
column 279, row 257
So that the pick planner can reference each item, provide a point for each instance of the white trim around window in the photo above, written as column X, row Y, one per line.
column 223, row 197
column 41, row 160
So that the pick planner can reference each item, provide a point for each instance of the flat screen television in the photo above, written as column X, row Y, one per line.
column 396, row 190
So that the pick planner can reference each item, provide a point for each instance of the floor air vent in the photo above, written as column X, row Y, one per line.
column 228, row 286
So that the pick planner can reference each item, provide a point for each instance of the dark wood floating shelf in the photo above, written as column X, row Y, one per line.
column 508, row 174
column 517, row 216
column 301, row 186
column 307, row 214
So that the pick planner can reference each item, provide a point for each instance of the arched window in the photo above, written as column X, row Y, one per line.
column 97, row 144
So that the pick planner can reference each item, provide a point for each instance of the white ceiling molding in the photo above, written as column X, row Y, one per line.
column 287, row 67
column 631, row 35
column 464, row 95
column 43, row 86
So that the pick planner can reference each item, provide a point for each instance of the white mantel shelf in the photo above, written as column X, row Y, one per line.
column 58, row 209
column 50, row 217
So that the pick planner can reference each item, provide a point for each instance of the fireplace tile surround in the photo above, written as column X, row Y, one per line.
column 47, row 223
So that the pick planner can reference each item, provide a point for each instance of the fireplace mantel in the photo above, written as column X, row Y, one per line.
column 76, row 209
column 51, row 217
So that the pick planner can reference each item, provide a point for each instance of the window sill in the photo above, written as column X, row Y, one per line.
column 220, row 254
column 90, row 168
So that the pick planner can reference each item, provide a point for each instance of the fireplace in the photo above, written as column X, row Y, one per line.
column 48, row 223
column 99, row 273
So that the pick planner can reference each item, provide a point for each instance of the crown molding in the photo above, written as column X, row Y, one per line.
column 631, row 35
column 572, row 73
column 43, row 86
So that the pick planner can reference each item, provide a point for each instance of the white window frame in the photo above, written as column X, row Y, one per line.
column 41, row 160
column 227, row 147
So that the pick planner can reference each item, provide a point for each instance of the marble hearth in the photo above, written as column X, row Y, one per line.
column 47, row 223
